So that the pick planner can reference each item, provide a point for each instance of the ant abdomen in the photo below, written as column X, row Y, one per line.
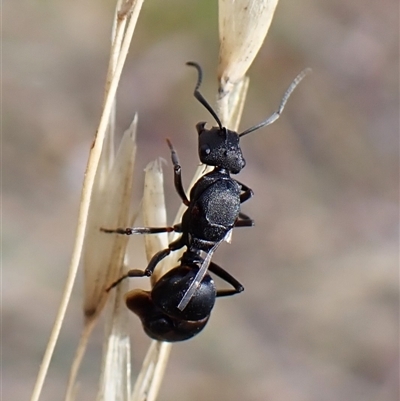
column 161, row 319
column 169, row 290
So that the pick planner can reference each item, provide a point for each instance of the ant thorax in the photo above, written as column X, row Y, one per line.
column 213, row 210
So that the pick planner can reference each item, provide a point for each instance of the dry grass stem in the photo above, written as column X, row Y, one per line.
column 104, row 254
column 154, row 215
column 230, row 107
column 91, row 169
column 115, row 381
column 150, row 377
column 72, row 387
column 243, row 26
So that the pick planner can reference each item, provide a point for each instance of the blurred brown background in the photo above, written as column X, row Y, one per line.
column 319, row 318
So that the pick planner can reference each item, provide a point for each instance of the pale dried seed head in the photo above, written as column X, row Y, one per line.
column 149, row 379
column 154, row 213
column 115, row 380
column 230, row 106
column 243, row 25
column 103, row 254
column 110, row 207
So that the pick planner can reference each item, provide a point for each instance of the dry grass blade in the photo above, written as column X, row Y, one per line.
column 243, row 25
column 115, row 381
column 154, row 215
column 110, row 206
column 230, row 107
column 151, row 374
column 91, row 169
column 104, row 254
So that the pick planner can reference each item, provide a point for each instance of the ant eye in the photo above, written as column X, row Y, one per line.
column 205, row 150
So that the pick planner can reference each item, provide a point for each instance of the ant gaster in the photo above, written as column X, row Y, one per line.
column 157, row 309
column 179, row 305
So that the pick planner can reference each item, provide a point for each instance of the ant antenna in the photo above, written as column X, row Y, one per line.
column 199, row 96
column 273, row 117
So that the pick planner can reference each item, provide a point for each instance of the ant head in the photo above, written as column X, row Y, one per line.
column 220, row 147
column 157, row 324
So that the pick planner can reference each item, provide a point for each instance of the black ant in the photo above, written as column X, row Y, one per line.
column 186, row 300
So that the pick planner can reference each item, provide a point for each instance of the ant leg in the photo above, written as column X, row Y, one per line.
column 130, row 273
column 177, row 174
column 246, row 195
column 221, row 273
column 157, row 258
column 143, row 230
column 244, row 221
column 247, row 192
column 243, row 216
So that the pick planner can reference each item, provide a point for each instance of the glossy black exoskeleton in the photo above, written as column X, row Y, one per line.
column 157, row 309
column 213, row 209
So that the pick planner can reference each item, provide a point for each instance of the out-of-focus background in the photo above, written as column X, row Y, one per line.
column 318, row 320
